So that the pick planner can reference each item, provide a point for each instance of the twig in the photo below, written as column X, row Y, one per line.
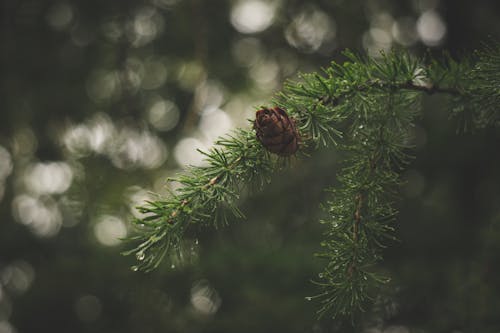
column 409, row 85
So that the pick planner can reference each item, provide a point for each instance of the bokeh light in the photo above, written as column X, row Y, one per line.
column 265, row 75
column 94, row 136
column 126, row 147
column 137, row 196
column 186, row 153
column 109, row 230
column 147, row 25
column 214, row 122
column 205, row 298
column 252, row 16
column 18, row 276
column 311, row 29
column 190, row 74
column 133, row 149
column 60, row 15
column 163, row 115
column 210, row 94
column 48, row 178
column 40, row 214
column 6, row 327
column 103, row 85
column 379, row 37
column 431, row 28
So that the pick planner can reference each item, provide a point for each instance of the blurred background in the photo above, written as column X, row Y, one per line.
column 102, row 100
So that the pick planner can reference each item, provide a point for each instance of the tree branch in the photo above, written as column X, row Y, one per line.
column 347, row 109
column 408, row 85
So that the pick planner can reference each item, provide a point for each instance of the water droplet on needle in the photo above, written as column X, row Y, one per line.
column 140, row 255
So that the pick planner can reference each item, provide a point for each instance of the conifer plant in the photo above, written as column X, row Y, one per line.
column 364, row 107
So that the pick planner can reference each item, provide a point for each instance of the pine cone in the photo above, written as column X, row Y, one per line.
column 276, row 131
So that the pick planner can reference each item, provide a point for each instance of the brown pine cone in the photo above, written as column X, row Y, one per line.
column 276, row 131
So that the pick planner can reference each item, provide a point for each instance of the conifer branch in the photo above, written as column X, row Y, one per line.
column 430, row 89
column 365, row 108
column 206, row 195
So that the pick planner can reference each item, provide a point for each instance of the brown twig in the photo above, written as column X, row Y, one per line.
column 357, row 216
column 408, row 85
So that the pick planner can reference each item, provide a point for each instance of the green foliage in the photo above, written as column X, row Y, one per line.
column 485, row 88
column 365, row 108
column 375, row 105
column 206, row 195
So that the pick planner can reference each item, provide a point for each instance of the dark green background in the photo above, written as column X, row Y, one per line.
column 256, row 273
